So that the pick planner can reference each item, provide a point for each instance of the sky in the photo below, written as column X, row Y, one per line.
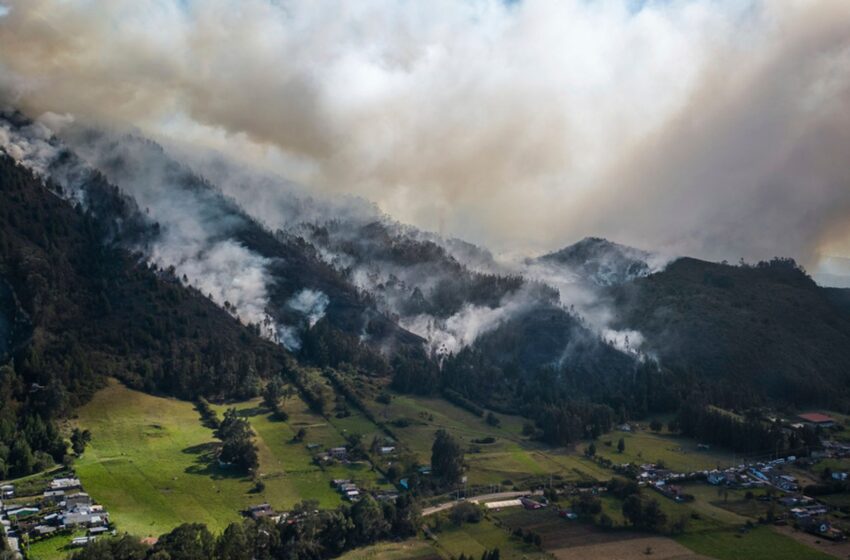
column 713, row 128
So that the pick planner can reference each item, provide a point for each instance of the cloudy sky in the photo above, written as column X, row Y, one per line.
column 717, row 128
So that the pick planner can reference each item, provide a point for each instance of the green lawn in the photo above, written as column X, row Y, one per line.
column 150, row 462
column 761, row 543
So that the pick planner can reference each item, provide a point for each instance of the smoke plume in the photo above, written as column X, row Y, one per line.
column 714, row 128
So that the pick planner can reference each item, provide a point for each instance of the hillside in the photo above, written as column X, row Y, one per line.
column 295, row 286
column 743, row 332
column 82, row 307
column 601, row 262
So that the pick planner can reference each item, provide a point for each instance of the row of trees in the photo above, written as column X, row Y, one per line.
column 748, row 435
column 238, row 447
column 310, row 535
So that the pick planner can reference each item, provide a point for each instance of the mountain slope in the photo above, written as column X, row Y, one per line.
column 294, row 286
column 766, row 330
column 95, row 309
column 602, row 262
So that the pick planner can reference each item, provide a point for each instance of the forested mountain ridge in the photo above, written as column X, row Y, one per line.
column 743, row 333
column 147, row 172
column 94, row 309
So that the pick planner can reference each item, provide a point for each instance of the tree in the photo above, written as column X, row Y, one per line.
column 125, row 547
column 79, row 440
column 189, row 541
column 369, row 522
column 654, row 517
column 446, row 457
column 655, row 425
column 21, row 457
column 633, row 510
column 233, row 544
column 621, row 445
column 465, row 512
column 238, row 445
column 272, row 393
column 240, row 451
column 590, row 451
column 300, row 435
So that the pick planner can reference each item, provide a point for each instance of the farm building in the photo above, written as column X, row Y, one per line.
column 817, row 419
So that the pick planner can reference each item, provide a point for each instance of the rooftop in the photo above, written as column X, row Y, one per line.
column 817, row 418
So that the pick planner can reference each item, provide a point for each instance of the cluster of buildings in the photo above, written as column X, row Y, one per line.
column 348, row 489
column 807, row 513
column 62, row 508
column 754, row 475
column 339, row 454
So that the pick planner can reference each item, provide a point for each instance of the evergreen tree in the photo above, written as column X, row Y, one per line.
column 446, row 457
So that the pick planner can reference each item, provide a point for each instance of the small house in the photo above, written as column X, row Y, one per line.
column 53, row 495
column 338, row 452
column 65, row 483
column 42, row 530
column 716, row 478
column 77, row 500
column 260, row 511
column 79, row 542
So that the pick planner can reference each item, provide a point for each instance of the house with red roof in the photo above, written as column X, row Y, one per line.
column 817, row 419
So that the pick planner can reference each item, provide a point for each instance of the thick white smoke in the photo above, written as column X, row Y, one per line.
column 713, row 127
column 231, row 275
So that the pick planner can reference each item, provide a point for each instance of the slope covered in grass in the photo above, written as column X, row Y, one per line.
column 151, row 462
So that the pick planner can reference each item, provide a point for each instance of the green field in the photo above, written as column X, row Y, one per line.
column 761, row 543
column 677, row 453
column 474, row 538
column 151, row 462
column 54, row 548
column 412, row 549
column 511, row 457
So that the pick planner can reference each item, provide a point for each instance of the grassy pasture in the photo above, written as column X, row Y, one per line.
column 54, row 548
column 474, row 538
column 677, row 453
column 412, row 549
column 511, row 457
column 151, row 462
column 761, row 543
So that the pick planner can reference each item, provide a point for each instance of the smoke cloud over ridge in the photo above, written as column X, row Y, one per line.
column 716, row 128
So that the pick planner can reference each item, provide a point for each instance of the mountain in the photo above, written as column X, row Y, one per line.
column 208, row 237
column 743, row 333
column 601, row 262
column 340, row 284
